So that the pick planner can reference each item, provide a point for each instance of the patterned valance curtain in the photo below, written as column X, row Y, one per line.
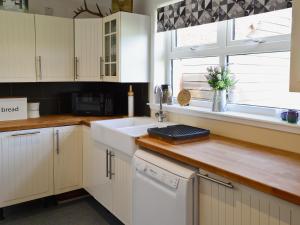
column 196, row 12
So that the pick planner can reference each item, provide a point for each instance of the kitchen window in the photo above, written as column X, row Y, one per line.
column 255, row 48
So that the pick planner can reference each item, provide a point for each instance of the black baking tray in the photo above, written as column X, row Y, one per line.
column 178, row 132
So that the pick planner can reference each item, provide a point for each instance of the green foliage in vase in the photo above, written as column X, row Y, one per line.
column 220, row 78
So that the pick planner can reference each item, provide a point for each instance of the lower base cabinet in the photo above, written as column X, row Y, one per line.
column 67, row 159
column 39, row 163
column 26, row 166
column 96, row 180
column 220, row 205
column 122, row 187
column 108, row 178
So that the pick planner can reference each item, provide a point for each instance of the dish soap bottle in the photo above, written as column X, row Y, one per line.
column 130, row 102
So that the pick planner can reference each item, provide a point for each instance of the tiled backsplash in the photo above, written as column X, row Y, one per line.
column 55, row 98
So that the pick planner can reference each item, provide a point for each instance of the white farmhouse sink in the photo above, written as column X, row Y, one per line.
column 120, row 134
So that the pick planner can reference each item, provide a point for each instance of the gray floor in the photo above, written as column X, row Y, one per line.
column 79, row 212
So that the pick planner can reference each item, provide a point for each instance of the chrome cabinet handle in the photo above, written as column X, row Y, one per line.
column 101, row 68
column 111, row 155
column 76, row 60
column 206, row 177
column 25, row 134
column 57, row 142
column 107, row 162
column 40, row 67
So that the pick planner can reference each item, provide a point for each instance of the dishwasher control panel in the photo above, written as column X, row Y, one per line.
column 168, row 179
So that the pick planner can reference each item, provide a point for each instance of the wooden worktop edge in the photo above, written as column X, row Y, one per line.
column 51, row 121
column 282, row 194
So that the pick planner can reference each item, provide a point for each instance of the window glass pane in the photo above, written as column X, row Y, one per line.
column 263, row 80
column 190, row 74
column 107, row 69
column 113, row 69
column 197, row 35
column 263, row 25
column 107, row 48
column 114, row 26
column 107, row 28
column 113, row 48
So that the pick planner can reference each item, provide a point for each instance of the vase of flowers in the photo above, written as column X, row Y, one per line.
column 221, row 81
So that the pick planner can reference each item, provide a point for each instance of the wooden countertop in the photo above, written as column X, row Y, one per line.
column 50, row 121
column 269, row 170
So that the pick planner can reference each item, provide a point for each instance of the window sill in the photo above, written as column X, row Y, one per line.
column 262, row 121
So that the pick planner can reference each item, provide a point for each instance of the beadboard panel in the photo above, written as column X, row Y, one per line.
column 100, row 186
column 17, row 47
column 88, row 49
column 67, row 159
column 54, row 48
column 26, row 165
column 122, row 188
column 219, row 205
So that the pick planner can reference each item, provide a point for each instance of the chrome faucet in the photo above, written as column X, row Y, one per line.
column 160, row 115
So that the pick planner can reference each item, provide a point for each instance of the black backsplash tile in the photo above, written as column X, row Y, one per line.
column 55, row 98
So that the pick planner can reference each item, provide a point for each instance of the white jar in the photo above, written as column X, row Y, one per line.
column 33, row 110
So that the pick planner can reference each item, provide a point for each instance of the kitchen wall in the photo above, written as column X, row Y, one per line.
column 65, row 8
column 267, row 137
column 55, row 98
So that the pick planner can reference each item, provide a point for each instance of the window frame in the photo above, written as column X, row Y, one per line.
column 226, row 47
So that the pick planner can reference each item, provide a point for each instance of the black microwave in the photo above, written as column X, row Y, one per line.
column 92, row 104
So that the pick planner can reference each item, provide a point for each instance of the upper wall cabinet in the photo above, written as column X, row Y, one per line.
column 17, row 47
column 54, row 48
column 295, row 52
column 88, row 49
column 126, row 48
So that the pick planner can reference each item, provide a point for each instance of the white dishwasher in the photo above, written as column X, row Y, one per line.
column 164, row 192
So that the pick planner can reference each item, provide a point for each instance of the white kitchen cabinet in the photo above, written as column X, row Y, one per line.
column 126, row 47
column 100, row 186
column 122, row 187
column 242, row 205
column 67, row 159
column 295, row 52
column 26, row 165
column 111, row 182
column 87, row 154
column 88, row 49
column 54, row 48
column 17, row 47
column 95, row 170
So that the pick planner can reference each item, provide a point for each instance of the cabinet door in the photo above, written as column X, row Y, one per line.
column 242, row 206
column 67, row 159
column 111, row 30
column 87, row 144
column 26, row 162
column 88, row 50
column 295, row 46
column 54, row 48
column 122, row 187
column 101, row 185
column 134, row 51
column 17, row 47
